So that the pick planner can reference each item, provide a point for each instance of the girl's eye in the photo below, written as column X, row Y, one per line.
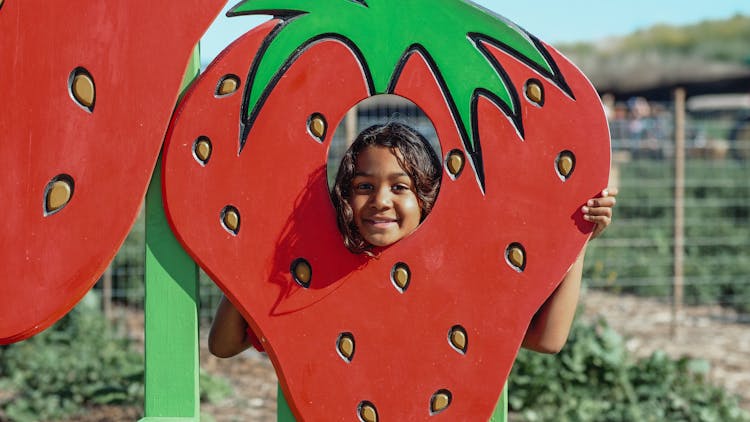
column 399, row 188
column 362, row 187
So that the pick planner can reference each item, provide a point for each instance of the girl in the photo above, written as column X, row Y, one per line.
column 385, row 187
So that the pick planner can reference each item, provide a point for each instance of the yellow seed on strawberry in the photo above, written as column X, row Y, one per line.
column 401, row 275
column 317, row 126
column 228, row 85
column 202, row 149
column 458, row 338
column 455, row 162
column 302, row 272
column 440, row 401
column 565, row 164
column 367, row 412
column 231, row 219
column 59, row 192
column 534, row 92
column 516, row 256
column 83, row 89
column 346, row 346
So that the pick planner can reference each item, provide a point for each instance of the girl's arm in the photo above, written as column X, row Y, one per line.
column 549, row 328
column 228, row 335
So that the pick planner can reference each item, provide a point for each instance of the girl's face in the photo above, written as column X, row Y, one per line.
column 382, row 198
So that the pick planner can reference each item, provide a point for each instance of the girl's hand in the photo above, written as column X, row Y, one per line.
column 599, row 210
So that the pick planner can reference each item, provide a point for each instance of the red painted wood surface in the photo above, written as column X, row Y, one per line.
column 136, row 52
column 459, row 272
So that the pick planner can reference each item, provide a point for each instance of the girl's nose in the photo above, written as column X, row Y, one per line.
column 382, row 199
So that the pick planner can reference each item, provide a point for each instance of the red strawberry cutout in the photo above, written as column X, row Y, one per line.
column 430, row 328
column 88, row 88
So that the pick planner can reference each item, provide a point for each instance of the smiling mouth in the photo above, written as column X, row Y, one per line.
column 380, row 222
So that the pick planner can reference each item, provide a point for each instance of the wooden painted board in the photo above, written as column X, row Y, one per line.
column 246, row 193
column 88, row 88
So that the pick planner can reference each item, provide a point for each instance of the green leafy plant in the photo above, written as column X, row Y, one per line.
column 77, row 362
column 595, row 379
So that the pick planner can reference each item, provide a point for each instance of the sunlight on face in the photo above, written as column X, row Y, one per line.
column 385, row 207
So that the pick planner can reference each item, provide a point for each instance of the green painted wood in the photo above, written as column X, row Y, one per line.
column 171, row 312
column 444, row 38
column 501, row 410
column 283, row 412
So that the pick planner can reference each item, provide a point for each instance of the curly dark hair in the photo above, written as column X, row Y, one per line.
column 416, row 157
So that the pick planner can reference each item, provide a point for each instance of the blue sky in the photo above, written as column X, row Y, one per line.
column 554, row 21
column 583, row 20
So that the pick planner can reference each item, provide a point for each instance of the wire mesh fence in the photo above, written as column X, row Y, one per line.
column 636, row 255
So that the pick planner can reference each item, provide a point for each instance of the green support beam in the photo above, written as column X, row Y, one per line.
column 171, row 312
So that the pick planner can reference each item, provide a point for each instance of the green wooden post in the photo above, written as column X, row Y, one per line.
column 283, row 412
column 171, row 312
column 501, row 410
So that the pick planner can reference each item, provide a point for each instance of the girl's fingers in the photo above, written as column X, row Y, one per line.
column 601, row 223
column 608, row 201
column 596, row 211
column 599, row 210
column 600, row 220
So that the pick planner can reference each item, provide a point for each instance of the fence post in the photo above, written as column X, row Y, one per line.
column 107, row 293
column 171, row 312
column 351, row 125
column 679, row 208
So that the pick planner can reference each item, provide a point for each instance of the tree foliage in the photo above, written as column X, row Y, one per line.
column 712, row 40
column 709, row 50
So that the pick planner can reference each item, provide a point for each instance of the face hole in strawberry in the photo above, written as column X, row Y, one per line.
column 454, row 163
column 387, row 121
column 301, row 272
column 401, row 276
column 317, row 126
column 202, row 150
column 440, row 401
column 230, row 219
column 345, row 346
column 565, row 163
column 58, row 193
column 82, row 88
column 515, row 256
column 458, row 339
column 228, row 85
column 367, row 412
column 535, row 92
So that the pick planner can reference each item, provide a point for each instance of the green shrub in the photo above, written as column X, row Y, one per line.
column 595, row 379
column 77, row 362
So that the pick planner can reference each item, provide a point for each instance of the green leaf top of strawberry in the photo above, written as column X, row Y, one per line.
column 449, row 35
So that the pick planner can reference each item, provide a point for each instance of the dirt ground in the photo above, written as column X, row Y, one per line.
column 710, row 333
